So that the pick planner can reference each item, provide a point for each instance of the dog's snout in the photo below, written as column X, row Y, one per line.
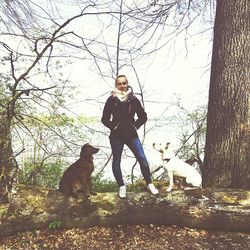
column 95, row 150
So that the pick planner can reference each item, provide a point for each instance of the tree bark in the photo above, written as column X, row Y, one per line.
column 36, row 208
column 227, row 157
column 5, row 157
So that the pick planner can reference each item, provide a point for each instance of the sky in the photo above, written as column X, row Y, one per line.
column 171, row 76
column 179, row 72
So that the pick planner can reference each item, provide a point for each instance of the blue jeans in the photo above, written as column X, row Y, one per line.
column 136, row 147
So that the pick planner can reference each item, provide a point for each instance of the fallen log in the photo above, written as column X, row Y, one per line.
column 214, row 209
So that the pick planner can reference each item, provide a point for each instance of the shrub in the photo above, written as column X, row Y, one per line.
column 103, row 185
column 45, row 174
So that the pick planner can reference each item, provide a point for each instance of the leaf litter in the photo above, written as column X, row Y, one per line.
column 127, row 237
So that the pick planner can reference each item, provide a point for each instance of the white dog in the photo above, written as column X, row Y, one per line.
column 154, row 158
column 177, row 167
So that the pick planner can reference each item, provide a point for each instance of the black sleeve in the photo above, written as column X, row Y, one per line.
column 142, row 115
column 107, row 112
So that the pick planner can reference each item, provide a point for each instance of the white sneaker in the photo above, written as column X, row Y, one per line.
column 122, row 192
column 153, row 189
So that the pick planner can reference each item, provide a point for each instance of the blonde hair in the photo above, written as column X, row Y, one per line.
column 119, row 77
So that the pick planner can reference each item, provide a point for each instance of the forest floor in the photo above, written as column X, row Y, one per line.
column 132, row 237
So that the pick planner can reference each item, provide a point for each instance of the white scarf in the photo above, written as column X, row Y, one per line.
column 123, row 96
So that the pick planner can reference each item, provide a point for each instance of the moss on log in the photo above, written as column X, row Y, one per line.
column 216, row 209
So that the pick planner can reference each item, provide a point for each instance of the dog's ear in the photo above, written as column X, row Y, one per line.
column 83, row 149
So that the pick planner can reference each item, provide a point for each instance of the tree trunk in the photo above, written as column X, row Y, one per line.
column 227, row 150
column 6, row 157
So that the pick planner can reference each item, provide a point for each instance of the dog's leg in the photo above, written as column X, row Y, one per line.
column 195, row 180
column 190, row 181
column 85, row 188
column 171, row 180
column 90, row 188
column 74, row 195
column 73, row 192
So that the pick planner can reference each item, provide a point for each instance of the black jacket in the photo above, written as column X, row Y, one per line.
column 119, row 117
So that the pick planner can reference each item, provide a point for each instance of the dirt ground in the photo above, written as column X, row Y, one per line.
column 132, row 237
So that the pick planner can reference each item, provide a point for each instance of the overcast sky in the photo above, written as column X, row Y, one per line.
column 173, row 74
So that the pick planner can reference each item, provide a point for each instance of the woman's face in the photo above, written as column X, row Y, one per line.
column 122, row 84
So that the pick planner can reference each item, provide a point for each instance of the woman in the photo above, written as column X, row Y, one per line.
column 118, row 116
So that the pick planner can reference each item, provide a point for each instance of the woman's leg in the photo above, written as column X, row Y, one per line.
column 117, row 147
column 137, row 149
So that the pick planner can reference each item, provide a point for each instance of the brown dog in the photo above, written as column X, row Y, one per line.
column 77, row 175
